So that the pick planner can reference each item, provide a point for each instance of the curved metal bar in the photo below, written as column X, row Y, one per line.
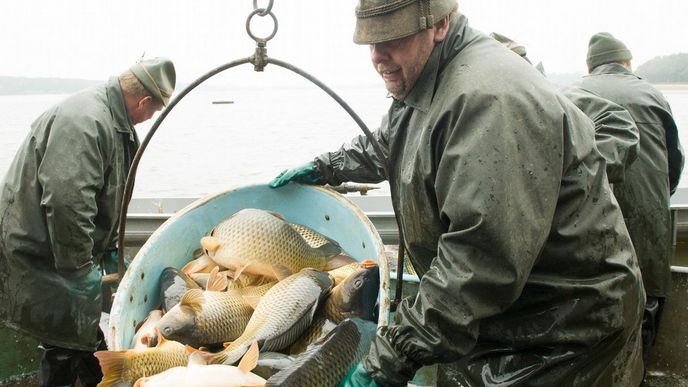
column 131, row 177
column 380, row 155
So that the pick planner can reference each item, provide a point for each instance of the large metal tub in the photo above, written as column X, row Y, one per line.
column 173, row 244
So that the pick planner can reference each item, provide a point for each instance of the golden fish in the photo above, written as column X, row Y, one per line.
column 263, row 243
column 355, row 296
column 205, row 318
column 129, row 365
column 198, row 374
column 282, row 315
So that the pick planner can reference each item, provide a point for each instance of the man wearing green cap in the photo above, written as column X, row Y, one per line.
column 650, row 181
column 616, row 135
column 528, row 275
column 59, row 210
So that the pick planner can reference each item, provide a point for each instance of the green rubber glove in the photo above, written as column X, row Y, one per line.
column 88, row 283
column 305, row 173
column 358, row 377
column 110, row 261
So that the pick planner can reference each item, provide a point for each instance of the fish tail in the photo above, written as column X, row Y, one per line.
column 112, row 365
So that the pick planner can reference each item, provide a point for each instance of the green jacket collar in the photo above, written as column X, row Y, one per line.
column 611, row 68
column 117, row 107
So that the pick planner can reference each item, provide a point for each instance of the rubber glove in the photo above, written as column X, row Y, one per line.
column 86, row 283
column 305, row 173
column 358, row 377
column 110, row 261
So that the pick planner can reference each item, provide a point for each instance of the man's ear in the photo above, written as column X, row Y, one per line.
column 441, row 29
column 145, row 101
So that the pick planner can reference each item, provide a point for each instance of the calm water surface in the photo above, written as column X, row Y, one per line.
column 203, row 148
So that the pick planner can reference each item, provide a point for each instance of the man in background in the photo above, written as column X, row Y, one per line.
column 644, row 195
column 59, row 213
column 616, row 135
column 528, row 275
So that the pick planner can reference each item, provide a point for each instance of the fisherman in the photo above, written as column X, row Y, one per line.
column 616, row 134
column 652, row 179
column 528, row 275
column 59, row 213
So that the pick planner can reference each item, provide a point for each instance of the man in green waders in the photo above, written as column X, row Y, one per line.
column 650, row 181
column 59, row 214
column 528, row 275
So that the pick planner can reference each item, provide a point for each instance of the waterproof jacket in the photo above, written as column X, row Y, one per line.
column 528, row 275
column 59, row 211
column 616, row 135
column 653, row 177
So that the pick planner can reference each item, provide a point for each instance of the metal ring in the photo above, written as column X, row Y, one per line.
column 265, row 10
column 248, row 24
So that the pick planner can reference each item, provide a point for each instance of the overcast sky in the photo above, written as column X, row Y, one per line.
column 93, row 39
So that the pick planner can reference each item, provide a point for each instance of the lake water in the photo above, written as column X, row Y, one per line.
column 203, row 148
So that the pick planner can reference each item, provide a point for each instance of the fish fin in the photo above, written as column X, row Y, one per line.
column 217, row 358
column 193, row 298
column 199, row 265
column 281, row 272
column 210, row 243
column 276, row 215
column 139, row 382
column 112, row 366
column 216, row 282
column 368, row 263
column 252, row 300
column 161, row 339
column 250, row 359
column 338, row 261
column 240, row 270
column 227, row 344
column 289, row 336
column 197, row 358
column 329, row 249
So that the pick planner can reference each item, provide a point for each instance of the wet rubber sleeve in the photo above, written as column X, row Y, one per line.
column 71, row 173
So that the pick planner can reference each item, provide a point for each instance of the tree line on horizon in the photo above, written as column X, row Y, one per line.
column 665, row 69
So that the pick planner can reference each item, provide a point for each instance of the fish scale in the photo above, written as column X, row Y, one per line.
column 260, row 242
column 129, row 365
column 327, row 362
column 282, row 314
column 217, row 316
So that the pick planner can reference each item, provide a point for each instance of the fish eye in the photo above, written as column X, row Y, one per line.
column 358, row 283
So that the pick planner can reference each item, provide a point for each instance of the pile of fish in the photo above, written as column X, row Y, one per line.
column 265, row 302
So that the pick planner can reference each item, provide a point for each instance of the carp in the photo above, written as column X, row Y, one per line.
column 355, row 296
column 329, row 360
column 282, row 315
column 127, row 366
column 206, row 318
column 146, row 334
column 263, row 243
column 198, row 374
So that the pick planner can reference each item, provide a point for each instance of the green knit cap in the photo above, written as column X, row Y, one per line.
column 604, row 48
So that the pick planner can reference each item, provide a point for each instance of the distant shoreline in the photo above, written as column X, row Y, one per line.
column 671, row 86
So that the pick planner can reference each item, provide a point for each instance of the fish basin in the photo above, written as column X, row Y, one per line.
column 173, row 244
